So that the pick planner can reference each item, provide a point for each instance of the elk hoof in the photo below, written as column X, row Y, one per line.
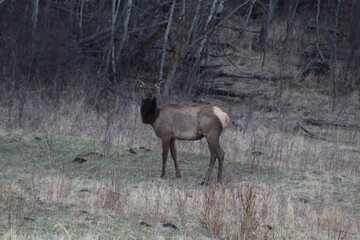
column 162, row 176
column 178, row 175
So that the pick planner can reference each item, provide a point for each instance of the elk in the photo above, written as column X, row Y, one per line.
column 183, row 122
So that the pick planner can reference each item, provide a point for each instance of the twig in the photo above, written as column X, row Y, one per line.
column 232, row 63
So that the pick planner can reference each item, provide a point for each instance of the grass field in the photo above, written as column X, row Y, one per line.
column 278, row 185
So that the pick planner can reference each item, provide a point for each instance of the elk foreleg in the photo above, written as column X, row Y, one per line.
column 165, row 152
column 174, row 156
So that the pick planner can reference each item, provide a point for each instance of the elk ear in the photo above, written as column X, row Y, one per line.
column 141, row 83
column 158, row 84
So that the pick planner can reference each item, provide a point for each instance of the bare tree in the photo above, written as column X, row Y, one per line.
column 166, row 37
column 292, row 7
column 114, row 17
column 206, row 35
column 334, row 55
column 34, row 17
column 125, row 27
column 264, row 31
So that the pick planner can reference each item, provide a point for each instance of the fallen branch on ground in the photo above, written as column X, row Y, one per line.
column 297, row 126
column 247, row 76
column 319, row 122
column 227, row 93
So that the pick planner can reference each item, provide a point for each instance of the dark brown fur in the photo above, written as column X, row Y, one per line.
column 149, row 110
column 191, row 122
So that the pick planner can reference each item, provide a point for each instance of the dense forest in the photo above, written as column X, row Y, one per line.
column 100, row 47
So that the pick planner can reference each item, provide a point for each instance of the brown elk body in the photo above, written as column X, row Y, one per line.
column 184, row 122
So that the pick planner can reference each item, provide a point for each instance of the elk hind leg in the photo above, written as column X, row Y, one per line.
column 216, row 153
column 221, row 156
column 208, row 173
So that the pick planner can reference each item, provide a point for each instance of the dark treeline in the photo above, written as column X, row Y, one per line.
column 48, row 44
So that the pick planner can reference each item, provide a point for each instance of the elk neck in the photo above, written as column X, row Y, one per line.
column 149, row 110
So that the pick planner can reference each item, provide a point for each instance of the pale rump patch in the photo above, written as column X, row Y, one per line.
column 223, row 117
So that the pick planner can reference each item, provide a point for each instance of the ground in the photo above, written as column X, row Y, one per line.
column 62, row 187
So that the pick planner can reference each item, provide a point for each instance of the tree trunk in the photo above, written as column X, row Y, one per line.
column 124, row 32
column 34, row 16
column 166, row 36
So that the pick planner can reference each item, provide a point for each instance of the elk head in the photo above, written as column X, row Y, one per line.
column 149, row 89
